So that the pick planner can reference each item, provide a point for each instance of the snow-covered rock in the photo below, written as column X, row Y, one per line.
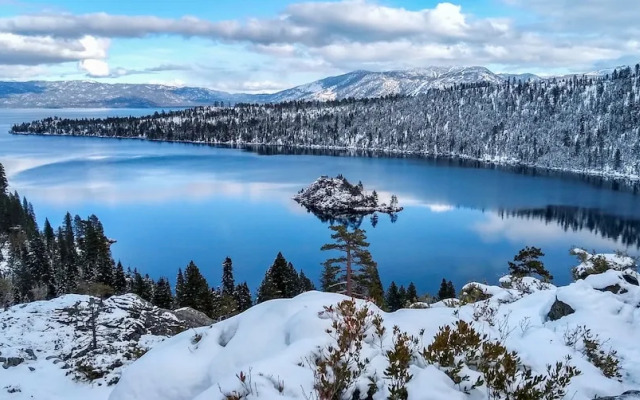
column 272, row 345
column 336, row 197
column 46, row 346
column 596, row 263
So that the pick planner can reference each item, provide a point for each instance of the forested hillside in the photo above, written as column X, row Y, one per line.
column 585, row 124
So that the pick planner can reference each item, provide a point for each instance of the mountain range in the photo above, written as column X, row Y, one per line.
column 358, row 84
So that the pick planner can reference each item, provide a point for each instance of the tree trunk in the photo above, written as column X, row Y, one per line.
column 349, row 280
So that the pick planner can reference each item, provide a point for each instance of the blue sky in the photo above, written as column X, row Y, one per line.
column 264, row 46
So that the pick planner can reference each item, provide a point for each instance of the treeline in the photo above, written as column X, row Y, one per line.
column 588, row 124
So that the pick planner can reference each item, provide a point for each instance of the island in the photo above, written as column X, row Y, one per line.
column 338, row 199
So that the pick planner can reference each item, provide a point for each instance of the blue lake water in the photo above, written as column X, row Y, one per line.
column 169, row 203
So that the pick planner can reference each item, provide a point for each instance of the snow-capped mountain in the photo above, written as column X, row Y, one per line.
column 361, row 84
column 358, row 84
column 89, row 94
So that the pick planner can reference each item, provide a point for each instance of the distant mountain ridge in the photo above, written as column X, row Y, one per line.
column 357, row 84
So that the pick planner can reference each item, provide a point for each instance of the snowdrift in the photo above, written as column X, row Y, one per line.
column 272, row 345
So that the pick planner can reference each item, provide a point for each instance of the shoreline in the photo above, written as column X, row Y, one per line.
column 626, row 179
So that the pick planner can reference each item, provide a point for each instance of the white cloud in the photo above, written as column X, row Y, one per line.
column 36, row 50
column 351, row 34
column 95, row 68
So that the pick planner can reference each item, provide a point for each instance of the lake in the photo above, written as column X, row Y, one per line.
column 169, row 203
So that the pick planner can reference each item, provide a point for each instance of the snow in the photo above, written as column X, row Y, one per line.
column 52, row 336
column 618, row 262
column 273, row 344
column 336, row 196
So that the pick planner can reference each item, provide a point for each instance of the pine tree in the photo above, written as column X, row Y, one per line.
column 120, row 280
column 228, row 283
column 527, row 262
column 4, row 184
column 412, row 293
column 280, row 281
column 196, row 291
column 305, row 283
column 180, row 302
column 446, row 290
column 402, row 293
column 242, row 295
column 49, row 237
column 340, row 271
column 393, row 299
column 451, row 290
column 162, row 296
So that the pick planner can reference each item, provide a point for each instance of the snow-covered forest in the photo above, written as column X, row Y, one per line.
column 583, row 124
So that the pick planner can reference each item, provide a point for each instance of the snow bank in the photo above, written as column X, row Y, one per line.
column 49, row 345
column 273, row 343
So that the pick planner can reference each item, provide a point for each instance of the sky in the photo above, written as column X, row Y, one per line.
column 260, row 46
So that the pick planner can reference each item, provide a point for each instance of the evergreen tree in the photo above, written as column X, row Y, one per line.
column 242, row 295
column 280, row 281
column 162, row 296
column 402, row 293
column 120, row 280
column 4, row 184
column 228, row 283
column 49, row 237
column 527, row 262
column 196, row 291
column 412, row 294
column 340, row 273
column 180, row 302
column 451, row 290
column 305, row 283
column 394, row 302
column 446, row 291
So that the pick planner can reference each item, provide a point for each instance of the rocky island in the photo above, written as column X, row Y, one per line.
column 337, row 198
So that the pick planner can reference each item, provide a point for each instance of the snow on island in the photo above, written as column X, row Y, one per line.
column 337, row 197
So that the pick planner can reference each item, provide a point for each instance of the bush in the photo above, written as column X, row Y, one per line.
column 472, row 293
column 339, row 366
column 607, row 362
column 399, row 358
column 502, row 372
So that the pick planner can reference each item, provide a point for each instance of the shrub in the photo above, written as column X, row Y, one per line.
column 399, row 358
column 472, row 293
column 339, row 366
column 501, row 371
column 605, row 361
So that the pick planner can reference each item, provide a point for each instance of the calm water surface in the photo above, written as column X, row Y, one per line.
column 169, row 203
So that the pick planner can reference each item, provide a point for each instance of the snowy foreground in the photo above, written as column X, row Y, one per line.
column 272, row 346
column 46, row 348
column 273, row 343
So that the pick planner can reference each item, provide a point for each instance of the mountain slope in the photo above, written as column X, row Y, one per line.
column 362, row 84
column 586, row 125
column 358, row 84
column 88, row 94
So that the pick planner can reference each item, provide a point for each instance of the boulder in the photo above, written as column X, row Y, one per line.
column 12, row 362
column 629, row 395
column 615, row 289
column 630, row 279
column 559, row 309
column 192, row 318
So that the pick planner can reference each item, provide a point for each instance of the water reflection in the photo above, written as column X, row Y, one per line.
column 625, row 230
